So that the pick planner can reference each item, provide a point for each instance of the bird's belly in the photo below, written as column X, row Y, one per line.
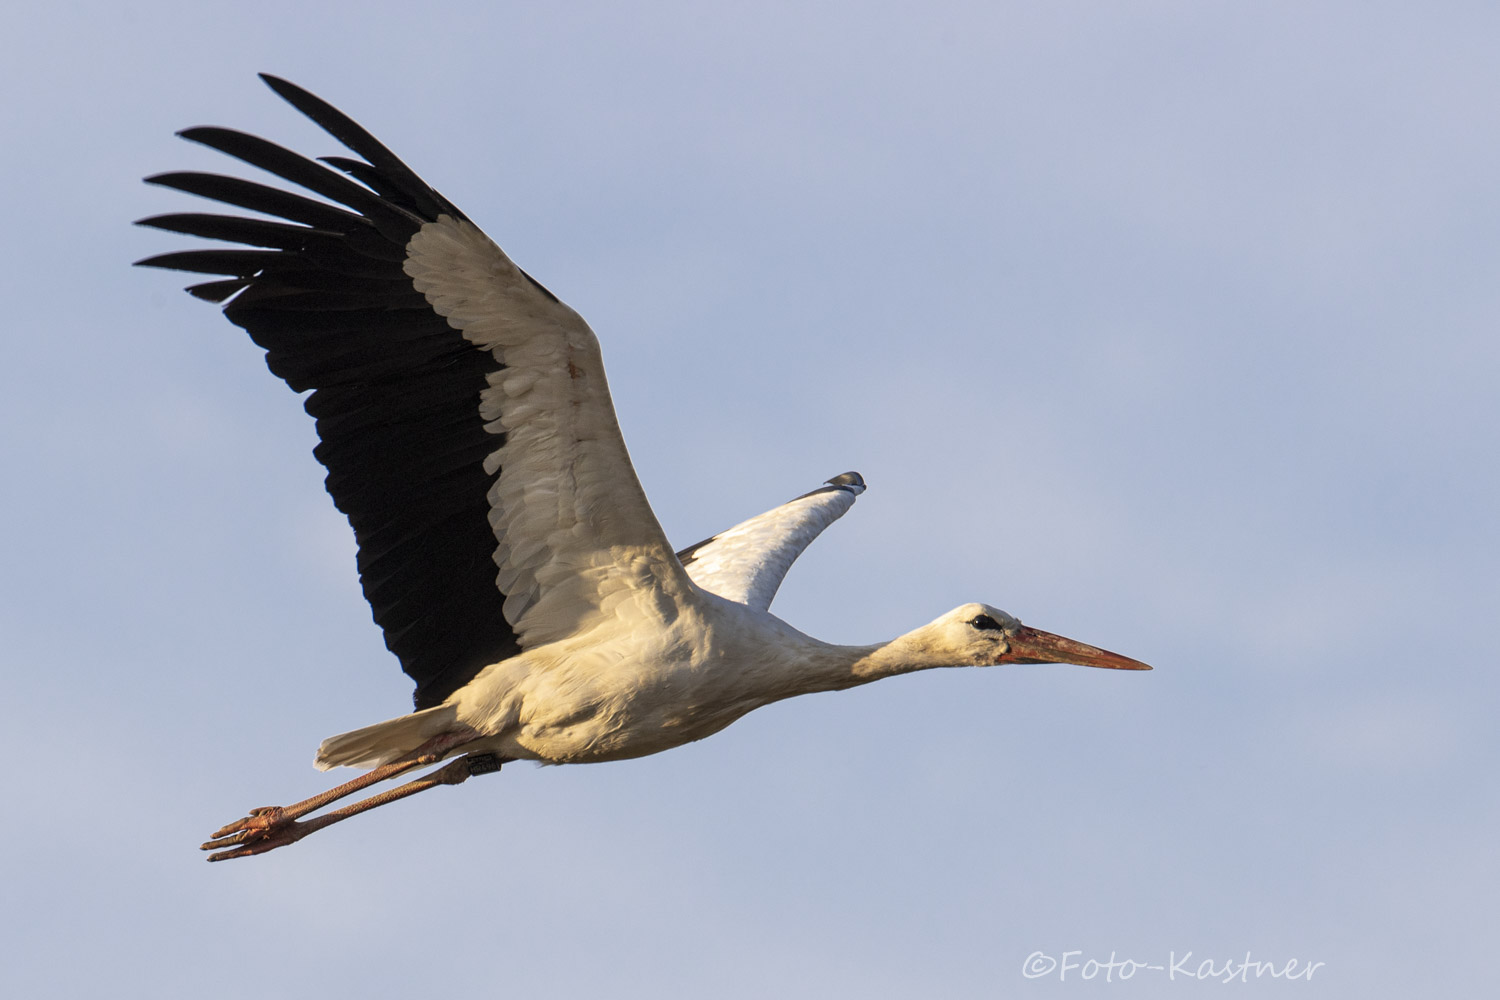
column 615, row 735
column 625, row 716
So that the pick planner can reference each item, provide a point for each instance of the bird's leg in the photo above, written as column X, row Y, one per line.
column 268, row 820
column 453, row 773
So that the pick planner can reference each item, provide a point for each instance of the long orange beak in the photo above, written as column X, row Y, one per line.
column 1032, row 645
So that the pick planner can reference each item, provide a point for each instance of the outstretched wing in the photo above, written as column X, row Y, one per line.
column 748, row 562
column 461, row 408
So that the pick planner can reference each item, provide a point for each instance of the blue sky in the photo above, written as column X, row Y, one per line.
column 1167, row 326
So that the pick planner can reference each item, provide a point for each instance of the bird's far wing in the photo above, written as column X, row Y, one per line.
column 748, row 562
column 461, row 408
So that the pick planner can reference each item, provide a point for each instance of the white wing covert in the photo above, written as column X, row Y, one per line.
column 574, row 530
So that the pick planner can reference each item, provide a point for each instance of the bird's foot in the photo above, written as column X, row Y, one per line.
column 258, row 820
column 265, row 829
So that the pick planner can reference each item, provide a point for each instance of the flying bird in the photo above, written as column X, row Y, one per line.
column 504, row 542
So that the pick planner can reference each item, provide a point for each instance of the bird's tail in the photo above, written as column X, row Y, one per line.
column 385, row 741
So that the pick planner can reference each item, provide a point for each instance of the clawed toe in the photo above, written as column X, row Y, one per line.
column 259, row 821
column 222, row 839
column 247, row 843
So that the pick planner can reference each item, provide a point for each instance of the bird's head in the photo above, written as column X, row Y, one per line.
column 977, row 635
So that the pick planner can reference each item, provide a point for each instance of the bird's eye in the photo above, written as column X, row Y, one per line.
column 984, row 623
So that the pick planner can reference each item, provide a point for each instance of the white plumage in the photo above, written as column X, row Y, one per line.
column 747, row 563
column 506, row 547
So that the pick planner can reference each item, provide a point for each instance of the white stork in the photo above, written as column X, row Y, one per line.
column 505, row 545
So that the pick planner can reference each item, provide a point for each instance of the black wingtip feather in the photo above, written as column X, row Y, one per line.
column 240, row 263
column 234, row 229
column 349, row 132
column 261, row 198
column 216, row 291
column 375, row 181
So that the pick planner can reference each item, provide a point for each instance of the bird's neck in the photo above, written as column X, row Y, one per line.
column 822, row 666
